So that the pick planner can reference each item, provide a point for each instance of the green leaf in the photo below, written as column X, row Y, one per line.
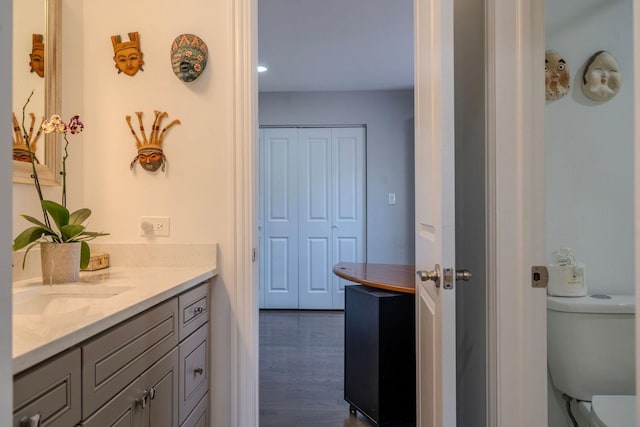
column 70, row 231
column 24, row 259
column 59, row 213
column 28, row 236
column 34, row 221
column 79, row 216
column 85, row 254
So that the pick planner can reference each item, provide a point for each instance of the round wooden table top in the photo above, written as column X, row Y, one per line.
column 392, row 277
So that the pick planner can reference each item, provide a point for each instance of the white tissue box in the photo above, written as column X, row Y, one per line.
column 567, row 281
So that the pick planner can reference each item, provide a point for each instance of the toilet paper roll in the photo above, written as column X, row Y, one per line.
column 567, row 281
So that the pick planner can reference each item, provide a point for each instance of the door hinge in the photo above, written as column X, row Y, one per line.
column 253, row 255
column 539, row 276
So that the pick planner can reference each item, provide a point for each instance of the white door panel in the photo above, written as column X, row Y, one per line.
column 280, row 218
column 435, row 212
column 313, row 213
column 348, row 151
column 314, row 209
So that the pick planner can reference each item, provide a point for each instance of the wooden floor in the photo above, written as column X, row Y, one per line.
column 301, row 370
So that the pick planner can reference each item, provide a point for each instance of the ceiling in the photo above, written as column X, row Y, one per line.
column 335, row 45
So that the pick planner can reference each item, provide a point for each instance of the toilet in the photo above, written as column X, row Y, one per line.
column 591, row 355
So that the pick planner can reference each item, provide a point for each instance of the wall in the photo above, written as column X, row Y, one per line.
column 589, row 153
column 196, row 191
column 388, row 116
column 589, row 146
column 6, row 389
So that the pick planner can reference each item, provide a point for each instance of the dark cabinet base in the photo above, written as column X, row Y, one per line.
column 379, row 355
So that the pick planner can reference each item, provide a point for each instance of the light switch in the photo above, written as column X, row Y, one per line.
column 392, row 198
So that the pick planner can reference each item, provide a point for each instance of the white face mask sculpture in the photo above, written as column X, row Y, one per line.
column 602, row 78
column 556, row 76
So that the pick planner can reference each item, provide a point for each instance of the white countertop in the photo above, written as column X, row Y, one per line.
column 100, row 299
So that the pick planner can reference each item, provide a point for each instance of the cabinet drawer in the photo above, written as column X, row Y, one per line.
column 118, row 356
column 51, row 390
column 194, row 309
column 194, row 375
column 199, row 417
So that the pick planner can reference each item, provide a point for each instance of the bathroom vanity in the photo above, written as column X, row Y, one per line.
column 123, row 347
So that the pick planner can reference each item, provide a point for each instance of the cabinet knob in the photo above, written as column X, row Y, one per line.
column 32, row 421
column 148, row 394
column 198, row 310
column 199, row 370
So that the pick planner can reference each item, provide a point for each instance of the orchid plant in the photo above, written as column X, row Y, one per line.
column 69, row 225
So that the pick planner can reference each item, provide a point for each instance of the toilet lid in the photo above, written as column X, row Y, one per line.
column 614, row 411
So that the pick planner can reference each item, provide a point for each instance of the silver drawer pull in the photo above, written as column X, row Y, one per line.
column 32, row 421
column 198, row 310
column 148, row 394
column 199, row 370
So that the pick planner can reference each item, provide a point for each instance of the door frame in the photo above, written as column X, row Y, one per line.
column 517, row 384
column 515, row 213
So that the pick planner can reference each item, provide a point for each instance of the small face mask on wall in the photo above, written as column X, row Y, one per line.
column 36, row 57
column 127, row 55
column 150, row 154
column 556, row 76
column 188, row 57
column 602, row 78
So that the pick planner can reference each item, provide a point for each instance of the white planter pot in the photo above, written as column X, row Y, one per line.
column 60, row 262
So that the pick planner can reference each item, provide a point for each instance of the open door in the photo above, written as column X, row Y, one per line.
column 435, row 219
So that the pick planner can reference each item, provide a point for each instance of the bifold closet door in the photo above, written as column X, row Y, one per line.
column 323, row 211
column 280, row 203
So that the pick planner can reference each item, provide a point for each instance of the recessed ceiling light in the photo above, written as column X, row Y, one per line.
column 262, row 68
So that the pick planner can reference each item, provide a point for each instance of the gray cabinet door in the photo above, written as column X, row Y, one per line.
column 162, row 378
column 50, row 391
column 194, row 373
column 200, row 415
column 121, row 411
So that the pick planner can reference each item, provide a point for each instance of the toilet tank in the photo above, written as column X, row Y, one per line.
column 591, row 345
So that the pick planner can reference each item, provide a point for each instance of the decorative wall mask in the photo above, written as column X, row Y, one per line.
column 150, row 154
column 556, row 76
column 188, row 57
column 36, row 57
column 602, row 78
column 20, row 149
column 127, row 55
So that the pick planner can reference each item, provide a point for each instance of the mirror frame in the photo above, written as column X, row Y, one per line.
column 49, row 172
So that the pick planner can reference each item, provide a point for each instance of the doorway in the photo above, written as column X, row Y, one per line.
column 589, row 167
column 325, row 84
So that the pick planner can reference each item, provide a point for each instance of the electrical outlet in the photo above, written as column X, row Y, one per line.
column 392, row 198
column 154, row 226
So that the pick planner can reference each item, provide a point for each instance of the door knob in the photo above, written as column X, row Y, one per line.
column 464, row 275
column 433, row 275
column 436, row 276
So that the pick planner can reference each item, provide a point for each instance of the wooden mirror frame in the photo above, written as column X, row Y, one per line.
column 49, row 172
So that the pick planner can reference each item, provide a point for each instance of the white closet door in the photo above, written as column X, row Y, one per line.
column 280, row 255
column 348, row 184
column 314, row 213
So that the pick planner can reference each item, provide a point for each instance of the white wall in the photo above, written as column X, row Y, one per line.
column 388, row 116
column 6, row 389
column 589, row 145
column 589, row 153
column 196, row 191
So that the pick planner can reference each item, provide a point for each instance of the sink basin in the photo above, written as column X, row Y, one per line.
column 61, row 299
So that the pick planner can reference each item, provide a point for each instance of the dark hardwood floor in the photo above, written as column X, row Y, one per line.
column 301, row 370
